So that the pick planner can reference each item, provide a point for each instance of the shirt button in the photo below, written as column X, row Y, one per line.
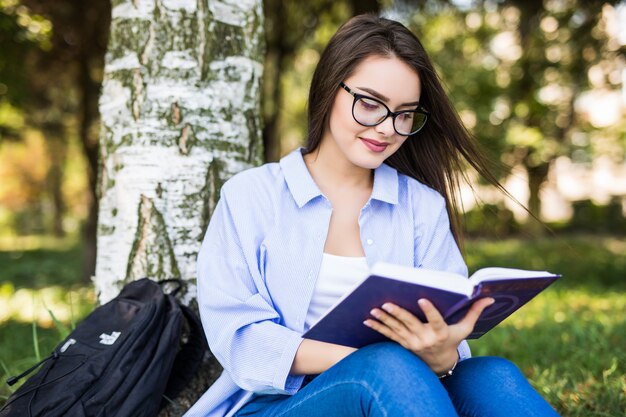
column 370, row 242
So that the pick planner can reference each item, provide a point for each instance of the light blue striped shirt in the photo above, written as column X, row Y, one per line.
column 261, row 256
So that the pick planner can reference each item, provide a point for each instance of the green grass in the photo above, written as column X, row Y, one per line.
column 569, row 341
column 37, row 262
column 39, row 283
column 584, row 261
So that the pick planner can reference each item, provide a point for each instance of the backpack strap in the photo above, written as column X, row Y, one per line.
column 179, row 285
column 14, row 379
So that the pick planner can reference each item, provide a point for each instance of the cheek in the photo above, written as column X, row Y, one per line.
column 341, row 116
column 342, row 123
column 401, row 140
column 398, row 143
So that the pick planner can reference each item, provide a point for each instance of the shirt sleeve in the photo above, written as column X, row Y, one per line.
column 435, row 247
column 241, row 325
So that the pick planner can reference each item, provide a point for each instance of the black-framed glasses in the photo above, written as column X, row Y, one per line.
column 368, row 111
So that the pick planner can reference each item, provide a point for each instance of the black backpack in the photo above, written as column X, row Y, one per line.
column 121, row 360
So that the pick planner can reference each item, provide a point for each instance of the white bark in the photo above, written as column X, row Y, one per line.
column 180, row 114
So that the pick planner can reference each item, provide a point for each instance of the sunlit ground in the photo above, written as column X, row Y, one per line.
column 569, row 341
column 40, row 281
column 43, row 305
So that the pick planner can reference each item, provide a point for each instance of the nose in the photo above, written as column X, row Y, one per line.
column 386, row 127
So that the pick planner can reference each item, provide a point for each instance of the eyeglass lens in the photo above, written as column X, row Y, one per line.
column 369, row 112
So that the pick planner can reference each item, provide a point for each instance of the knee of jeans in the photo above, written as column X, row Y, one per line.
column 389, row 359
column 497, row 364
column 498, row 367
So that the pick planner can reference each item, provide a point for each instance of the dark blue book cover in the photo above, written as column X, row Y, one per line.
column 452, row 294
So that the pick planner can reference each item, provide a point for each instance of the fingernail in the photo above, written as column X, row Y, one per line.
column 422, row 302
column 367, row 323
column 374, row 312
column 388, row 307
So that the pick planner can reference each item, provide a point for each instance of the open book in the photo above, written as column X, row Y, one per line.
column 451, row 293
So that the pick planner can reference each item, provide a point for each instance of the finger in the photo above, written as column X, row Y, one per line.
column 389, row 320
column 475, row 311
column 433, row 316
column 412, row 323
column 382, row 329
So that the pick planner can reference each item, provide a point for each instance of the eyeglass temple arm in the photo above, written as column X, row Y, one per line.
column 348, row 89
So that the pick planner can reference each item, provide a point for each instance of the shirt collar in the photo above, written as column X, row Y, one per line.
column 385, row 184
column 303, row 187
column 298, row 178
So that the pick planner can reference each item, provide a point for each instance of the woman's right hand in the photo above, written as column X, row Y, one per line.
column 435, row 341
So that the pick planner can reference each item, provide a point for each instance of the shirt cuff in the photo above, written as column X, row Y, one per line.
column 290, row 383
column 464, row 351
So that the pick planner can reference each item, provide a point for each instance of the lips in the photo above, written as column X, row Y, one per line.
column 374, row 145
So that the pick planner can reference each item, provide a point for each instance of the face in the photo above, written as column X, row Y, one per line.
column 387, row 79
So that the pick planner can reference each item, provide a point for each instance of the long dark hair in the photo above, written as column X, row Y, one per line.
column 437, row 154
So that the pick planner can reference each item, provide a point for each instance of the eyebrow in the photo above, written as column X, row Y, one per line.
column 384, row 98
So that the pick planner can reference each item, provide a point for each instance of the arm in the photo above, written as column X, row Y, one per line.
column 314, row 357
column 244, row 330
column 435, row 247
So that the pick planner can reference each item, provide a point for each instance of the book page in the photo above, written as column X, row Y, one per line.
column 496, row 273
column 448, row 281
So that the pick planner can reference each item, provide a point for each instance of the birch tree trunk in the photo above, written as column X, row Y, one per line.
column 180, row 113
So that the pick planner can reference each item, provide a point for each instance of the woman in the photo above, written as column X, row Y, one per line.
column 374, row 183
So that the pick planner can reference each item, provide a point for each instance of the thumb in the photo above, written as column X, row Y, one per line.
column 474, row 313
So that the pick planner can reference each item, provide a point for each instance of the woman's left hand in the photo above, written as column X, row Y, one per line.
column 434, row 341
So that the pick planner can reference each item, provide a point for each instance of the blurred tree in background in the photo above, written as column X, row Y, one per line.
column 50, row 75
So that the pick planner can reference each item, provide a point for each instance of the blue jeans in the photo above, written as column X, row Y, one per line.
column 385, row 379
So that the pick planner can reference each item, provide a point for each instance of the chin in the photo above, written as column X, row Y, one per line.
column 370, row 161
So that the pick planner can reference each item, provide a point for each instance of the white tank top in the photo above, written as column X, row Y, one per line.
column 338, row 274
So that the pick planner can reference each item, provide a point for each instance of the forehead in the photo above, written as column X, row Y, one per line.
column 389, row 76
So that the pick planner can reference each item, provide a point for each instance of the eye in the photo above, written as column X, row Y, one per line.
column 368, row 104
column 406, row 116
